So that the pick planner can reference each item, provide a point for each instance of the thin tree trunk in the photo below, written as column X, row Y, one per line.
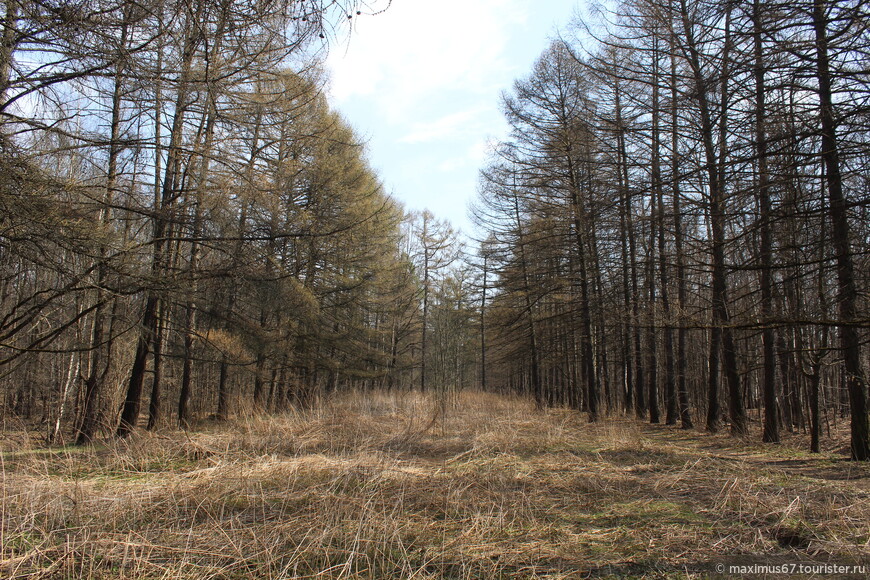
column 666, row 327
column 483, row 323
column 535, row 375
column 586, row 350
column 721, row 334
column 655, row 196
column 626, row 237
column 154, row 405
column 815, row 426
column 190, row 310
column 771, row 415
column 652, row 374
column 90, row 411
column 66, row 394
column 424, row 330
column 679, row 256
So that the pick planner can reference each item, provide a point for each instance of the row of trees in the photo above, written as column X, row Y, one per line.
column 678, row 223
column 186, row 223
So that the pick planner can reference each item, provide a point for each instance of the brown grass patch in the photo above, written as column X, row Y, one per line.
column 399, row 486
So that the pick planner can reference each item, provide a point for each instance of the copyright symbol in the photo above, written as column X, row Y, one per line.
column 720, row 568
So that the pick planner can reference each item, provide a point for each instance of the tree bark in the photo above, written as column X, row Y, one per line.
column 679, row 256
column 149, row 321
column 847, row 294
column 771, row 414
column 721, row 333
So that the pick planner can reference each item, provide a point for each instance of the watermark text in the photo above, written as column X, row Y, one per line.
column 811, row 568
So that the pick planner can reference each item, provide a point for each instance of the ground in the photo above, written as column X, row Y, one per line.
column 406, row 486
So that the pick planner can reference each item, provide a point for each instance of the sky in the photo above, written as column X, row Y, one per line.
column 422, row 81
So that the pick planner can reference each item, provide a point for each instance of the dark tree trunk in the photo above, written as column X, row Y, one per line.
column 679, row 256
column 223, row 404
column 97, row 367
column 164, row 199
column 652, row 374
column 771, row 414
column 587, row 353
column 721, row 334
column 154, row 405
column 847, row 294
column 133, row 399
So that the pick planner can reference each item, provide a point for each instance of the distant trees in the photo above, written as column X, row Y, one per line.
column 675, row 207
column 434, row 249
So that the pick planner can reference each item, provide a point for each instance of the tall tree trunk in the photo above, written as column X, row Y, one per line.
column 652, row 369
column 96, row 366
column 629, row 272
column 721, row 334
column 679, row 256
column 483, row 321
column 771, row 415
column 424, row 334
column 159, row 259
column 639, row 372
column 534, row 371
column 204, row 154
column 666, row 326
column 847, row 293
column 601, row 376
column 190, row 321
column 587, row 353
column 655, row 195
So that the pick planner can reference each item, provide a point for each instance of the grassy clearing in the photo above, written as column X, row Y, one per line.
column 394, row 487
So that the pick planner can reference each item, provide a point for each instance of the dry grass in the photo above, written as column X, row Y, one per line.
column 399, row 487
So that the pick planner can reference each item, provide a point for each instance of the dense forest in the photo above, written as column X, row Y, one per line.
column 676, row 228
column 678, row 223
column 187, row 228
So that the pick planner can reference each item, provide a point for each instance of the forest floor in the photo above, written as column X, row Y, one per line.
column 400, row 486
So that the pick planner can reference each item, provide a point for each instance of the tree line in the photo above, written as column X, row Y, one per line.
column 675, row 228
column 188, row 230
column 677, row 225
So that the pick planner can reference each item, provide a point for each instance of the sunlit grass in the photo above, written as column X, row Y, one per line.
column 401, row 486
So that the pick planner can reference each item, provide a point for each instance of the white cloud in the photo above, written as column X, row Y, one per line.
column 461, row 122
column 479, row 151
column 473, row 157
column 415, row 51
